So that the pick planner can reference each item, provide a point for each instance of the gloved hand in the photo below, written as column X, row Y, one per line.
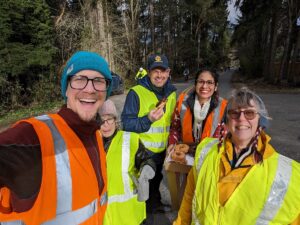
column 142, row 183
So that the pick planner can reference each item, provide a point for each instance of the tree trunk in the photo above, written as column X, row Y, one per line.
column 198, row 48
column 270, row 53
column 284, row 69
column 152, row 29
column 109, row 42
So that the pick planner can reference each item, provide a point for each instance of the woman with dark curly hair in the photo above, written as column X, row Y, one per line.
column 199, row 110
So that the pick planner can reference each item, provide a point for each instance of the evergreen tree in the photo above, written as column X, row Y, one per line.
column 26, row 48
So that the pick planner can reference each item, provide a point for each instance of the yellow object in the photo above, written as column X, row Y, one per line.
column 239, row 196
column 157, row 137
column 140, row 74
column 123, row 207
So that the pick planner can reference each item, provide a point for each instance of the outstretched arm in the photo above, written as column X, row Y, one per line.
column 20, row 163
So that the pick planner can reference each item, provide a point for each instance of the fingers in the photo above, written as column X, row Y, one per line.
column 155, row 114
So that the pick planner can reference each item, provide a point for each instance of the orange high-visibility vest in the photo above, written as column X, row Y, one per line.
column 4, row 200
column 186, row 118
column 69, row 192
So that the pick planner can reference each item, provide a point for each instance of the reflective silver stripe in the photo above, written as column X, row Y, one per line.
column 103, row 199
column 195, row 220
column 63, row 173
column 154, row 130
column 277, row 192
column 149, row 144
column 16, row 222
column 216, row 118
column 183, row 105
column 182, row 111
column 75, row 217
column 201, row 158
column 194, row 217
column 168, row 129
column 128, row 194
column 203, row 154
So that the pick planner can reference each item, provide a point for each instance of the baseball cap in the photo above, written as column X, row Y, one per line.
column 156, row 60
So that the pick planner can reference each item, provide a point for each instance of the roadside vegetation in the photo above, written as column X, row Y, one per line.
column 25, row 112
column 38, row 36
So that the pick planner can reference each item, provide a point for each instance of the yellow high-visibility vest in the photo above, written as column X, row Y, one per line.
column 156, row 138
column 269, row 194
column 140, row 74
column 123, row 207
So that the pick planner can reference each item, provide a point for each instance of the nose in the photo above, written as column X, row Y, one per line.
column 89, row 87
column 242, row 116
column 205, row 84
column 159, row 73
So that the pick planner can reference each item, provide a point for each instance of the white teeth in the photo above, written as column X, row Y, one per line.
column 88, row 100
column 242, row 127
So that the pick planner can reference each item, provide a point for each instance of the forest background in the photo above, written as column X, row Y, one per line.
column 38, row 36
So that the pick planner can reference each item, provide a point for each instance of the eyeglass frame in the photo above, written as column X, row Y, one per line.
column 240, row 113
column 112, row 119
column 207, row 82
column 108, row 82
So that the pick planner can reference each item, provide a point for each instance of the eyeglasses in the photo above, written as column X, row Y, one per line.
column 80, row 82
column 109, row 121
column 208, row 82
column 248, row 113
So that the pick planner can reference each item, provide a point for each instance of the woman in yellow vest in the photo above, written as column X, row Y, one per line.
column 240, row 179
column 128, row 170
column 199, row 110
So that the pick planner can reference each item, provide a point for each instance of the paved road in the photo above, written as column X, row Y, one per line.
column 284, row 108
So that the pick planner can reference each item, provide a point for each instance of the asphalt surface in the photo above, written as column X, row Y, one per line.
column 284, row 109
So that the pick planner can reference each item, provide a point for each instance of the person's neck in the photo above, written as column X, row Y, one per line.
column 202, row 101
column 239, row 147
column 157, row 89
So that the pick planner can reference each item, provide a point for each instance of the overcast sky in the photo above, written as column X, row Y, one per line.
column 233, row 13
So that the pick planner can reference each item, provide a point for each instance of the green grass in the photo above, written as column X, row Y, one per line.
column 33, row 110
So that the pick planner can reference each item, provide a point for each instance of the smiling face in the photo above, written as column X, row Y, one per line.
column 87, row 101
column 242, row 129
column 205, row 86
column 159, row 76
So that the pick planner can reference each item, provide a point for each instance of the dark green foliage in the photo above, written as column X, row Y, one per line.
column 26, row 49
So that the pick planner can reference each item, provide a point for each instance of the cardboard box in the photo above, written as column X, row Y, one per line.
column 176, row 175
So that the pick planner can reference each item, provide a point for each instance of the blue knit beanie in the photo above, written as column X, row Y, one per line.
column 83, row 60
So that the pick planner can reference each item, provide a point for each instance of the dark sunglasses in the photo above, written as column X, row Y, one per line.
column 249, row 114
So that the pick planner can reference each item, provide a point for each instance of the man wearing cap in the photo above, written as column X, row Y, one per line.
column 53, row 167
column 141, row 115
